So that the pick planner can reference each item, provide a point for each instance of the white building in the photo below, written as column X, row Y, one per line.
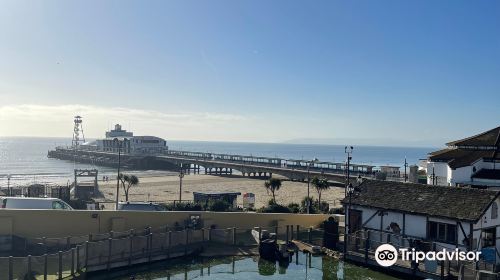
column 474, row 161
column 119, row 138
column 438, row 216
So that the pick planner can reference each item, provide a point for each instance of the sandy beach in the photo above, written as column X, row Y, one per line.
column 166, row 188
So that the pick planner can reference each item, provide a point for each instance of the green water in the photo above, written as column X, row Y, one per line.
column 302, row 266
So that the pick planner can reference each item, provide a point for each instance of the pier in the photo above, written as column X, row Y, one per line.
column 222, row 164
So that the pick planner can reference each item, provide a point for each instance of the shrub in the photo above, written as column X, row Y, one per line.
column 294, row 207
column 183, row 207
column 219, row 206
column 274, row 208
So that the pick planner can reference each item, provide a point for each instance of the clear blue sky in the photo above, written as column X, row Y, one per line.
column 394, row 72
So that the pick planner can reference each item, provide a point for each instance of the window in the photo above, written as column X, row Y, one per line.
column 442, row 232
column 57, row 205
column 494, row 210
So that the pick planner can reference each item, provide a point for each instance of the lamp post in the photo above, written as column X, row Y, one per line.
column 348, row 151
column 311, row 162
column 181, row 175
column 348, row 189
column 119, row 145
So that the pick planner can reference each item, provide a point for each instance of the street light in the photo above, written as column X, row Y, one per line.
column 348, row 151
column 348, row 189
column 181, row 175
column 118, row 143
column 311, row 162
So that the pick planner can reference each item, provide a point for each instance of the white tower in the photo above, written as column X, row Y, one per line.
column 77, row 132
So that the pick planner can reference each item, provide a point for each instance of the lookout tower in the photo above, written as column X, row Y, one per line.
column 78, row 136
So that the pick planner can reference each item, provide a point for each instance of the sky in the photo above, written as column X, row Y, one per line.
column 415, row 73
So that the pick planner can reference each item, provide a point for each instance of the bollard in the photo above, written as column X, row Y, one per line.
column 68, row 242
column 260, row 233
column 203, row 235
column 60, row 265
column 234, row 236
column 291, row 232
column 297, row 232
column 111, row 234
column 110, row 242
column 45, row 263
column 309, row 235
column 90, row 237
column 210, row 234
column 72, row 261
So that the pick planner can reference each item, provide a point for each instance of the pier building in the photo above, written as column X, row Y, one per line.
column 125, row 141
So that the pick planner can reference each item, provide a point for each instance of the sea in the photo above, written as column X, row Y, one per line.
column 25, row 161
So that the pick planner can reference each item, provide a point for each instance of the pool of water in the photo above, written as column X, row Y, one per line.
column 301, row 266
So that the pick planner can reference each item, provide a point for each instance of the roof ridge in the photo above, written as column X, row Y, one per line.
column 477, row 135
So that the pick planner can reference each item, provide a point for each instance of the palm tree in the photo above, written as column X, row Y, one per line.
column 131, row 180
column 320, row 185
column 273, row 185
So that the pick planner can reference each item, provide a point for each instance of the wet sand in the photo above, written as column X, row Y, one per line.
column 166, row 189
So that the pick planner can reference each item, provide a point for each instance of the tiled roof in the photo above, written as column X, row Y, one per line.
column 457, row 158
column 465, row 204
column 488, row 138
column 490, row 174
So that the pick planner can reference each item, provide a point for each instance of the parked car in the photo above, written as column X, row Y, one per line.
column 140, row 206
column 33, row 203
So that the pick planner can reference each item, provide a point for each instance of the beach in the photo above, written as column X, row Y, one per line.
column 166, row 189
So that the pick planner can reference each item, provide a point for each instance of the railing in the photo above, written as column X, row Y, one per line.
column 364, row 243
column 65, row 257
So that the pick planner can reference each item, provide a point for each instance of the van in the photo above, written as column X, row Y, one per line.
column 33, row 203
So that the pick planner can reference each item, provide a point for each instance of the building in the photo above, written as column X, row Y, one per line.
column 205, row 198
column 391, row 171
column 120, row 139
column 473, row 161
column 446, row 217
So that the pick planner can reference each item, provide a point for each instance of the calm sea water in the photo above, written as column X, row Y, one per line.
column 25, row 159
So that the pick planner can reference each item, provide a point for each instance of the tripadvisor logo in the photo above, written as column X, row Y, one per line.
column 387, row 255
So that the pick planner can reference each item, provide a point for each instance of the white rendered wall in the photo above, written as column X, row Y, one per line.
column 440, row 171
